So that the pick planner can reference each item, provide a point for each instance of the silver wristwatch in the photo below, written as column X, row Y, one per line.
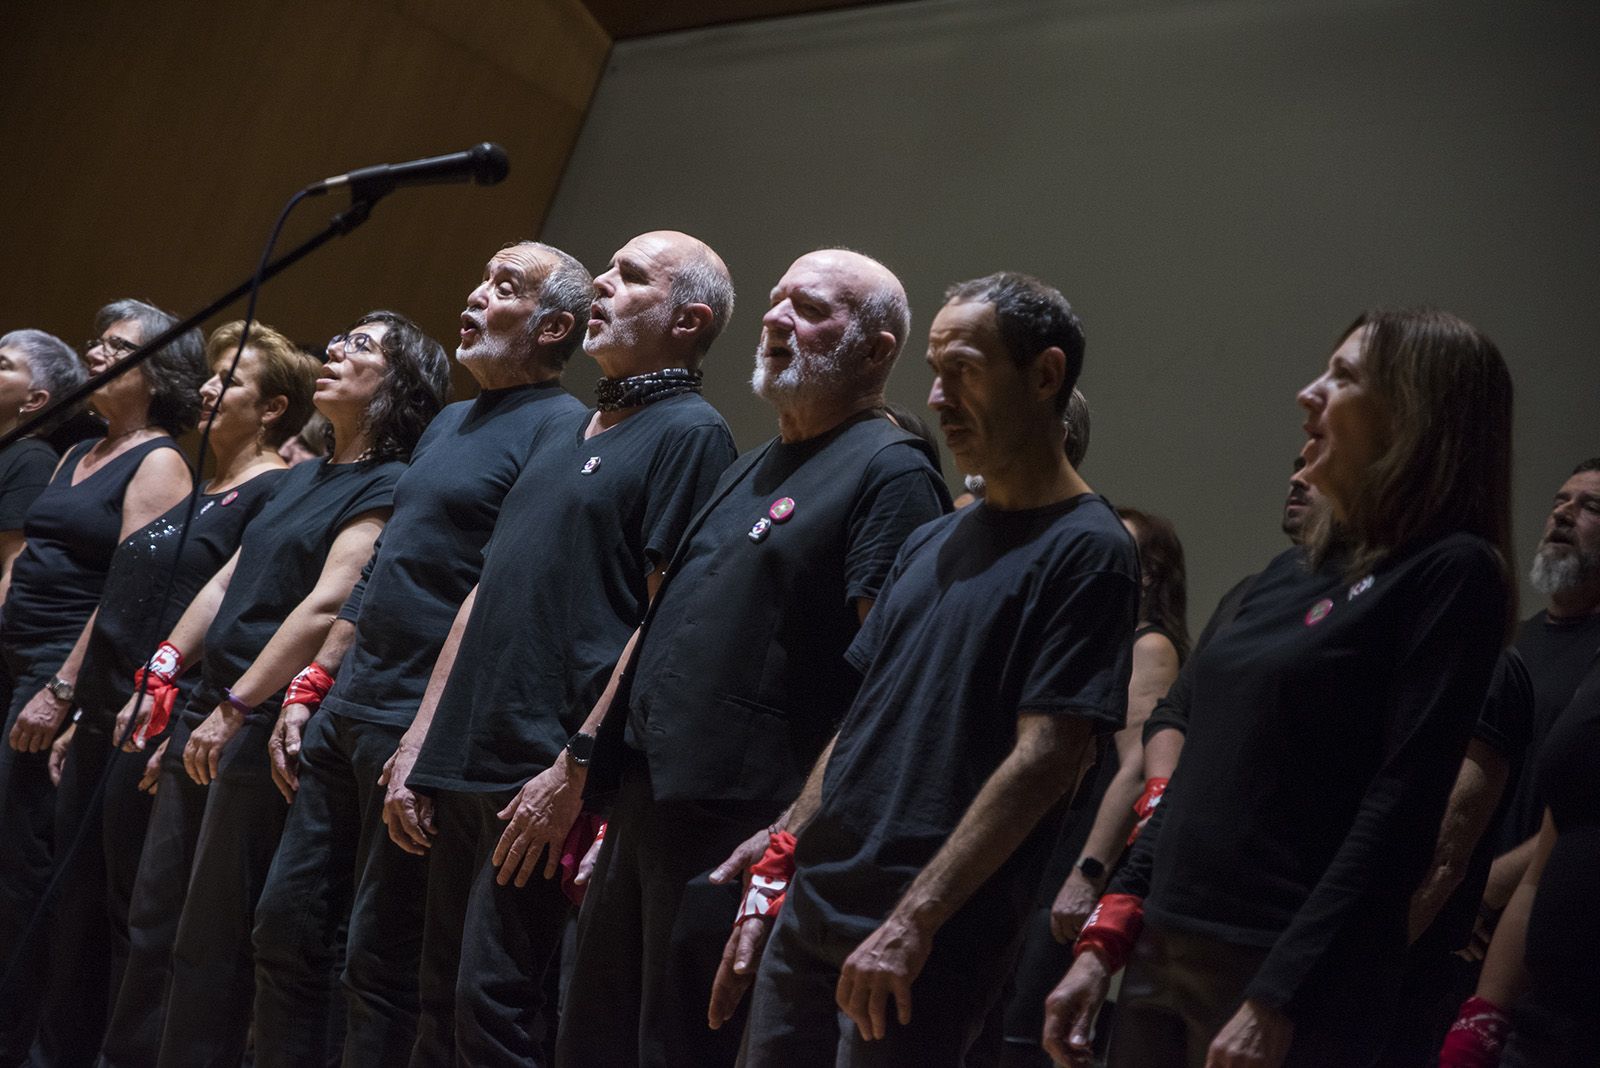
column 60, row 689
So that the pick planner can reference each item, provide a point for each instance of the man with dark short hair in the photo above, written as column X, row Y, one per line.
column 577, row 552
column 738, row 678
column 998, row 647
column 347, row 711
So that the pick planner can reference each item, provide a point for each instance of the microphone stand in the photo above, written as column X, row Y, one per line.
column 341, row 224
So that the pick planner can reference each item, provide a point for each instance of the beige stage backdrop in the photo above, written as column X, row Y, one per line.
column 1219, row 187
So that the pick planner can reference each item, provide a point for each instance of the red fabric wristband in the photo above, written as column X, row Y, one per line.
column 1477, row 1037
column 767, row 882
column 1112, row 929
column 309, row 687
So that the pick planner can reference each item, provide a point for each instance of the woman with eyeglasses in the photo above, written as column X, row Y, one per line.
column 267, row 398
column 1263, row 914
column 256, row 624
column 101, row 491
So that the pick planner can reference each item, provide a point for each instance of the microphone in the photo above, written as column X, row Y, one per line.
column 484, row 164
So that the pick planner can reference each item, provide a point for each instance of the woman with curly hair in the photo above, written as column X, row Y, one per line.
column 259, row 620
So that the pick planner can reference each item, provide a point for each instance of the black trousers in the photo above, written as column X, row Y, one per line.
column 27, row 848
column 205, row 861
column 1436, row 983
column 336, row 867
column 485, row 947
column 1180, row 989
column 651, row 933
column 794, row 1019
column 99, row 839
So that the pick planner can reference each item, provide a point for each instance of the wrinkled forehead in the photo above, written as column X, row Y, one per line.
column 1582, row 484
column 531, row 262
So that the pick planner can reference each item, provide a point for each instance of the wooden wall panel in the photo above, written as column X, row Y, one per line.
column 148, row 148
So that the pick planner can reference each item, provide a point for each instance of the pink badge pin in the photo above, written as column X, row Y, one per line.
column 1319, row 612
column 230, row 498
column 781, row 509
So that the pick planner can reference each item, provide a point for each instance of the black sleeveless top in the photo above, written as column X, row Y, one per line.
column 135, row 608
column 71, row 533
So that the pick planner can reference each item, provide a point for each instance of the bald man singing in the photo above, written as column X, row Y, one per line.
column 578, row 548
column 737, row 677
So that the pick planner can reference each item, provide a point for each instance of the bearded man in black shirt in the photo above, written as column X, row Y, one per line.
column 999, row 645
column 522, row 323
column 578, row 549
column 738, row 677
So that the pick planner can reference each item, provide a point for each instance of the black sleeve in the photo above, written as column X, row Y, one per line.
column 882, row 520
column 25, row 476
column 1133, row 874
column 1082, row 651
column 1172, row 711
column 1456, row 615
column 870, row 637
column 378, row 492
column 682, row 478
column 1506, row 722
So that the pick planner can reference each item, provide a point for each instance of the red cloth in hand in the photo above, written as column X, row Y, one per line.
column 1145, row 807
column 587, row 829
column 1477, row 1037
column 309, row 687
column 767, row 883
column 158, row 681
column 1112, row 929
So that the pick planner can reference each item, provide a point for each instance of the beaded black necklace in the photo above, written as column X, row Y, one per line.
column 637, row 390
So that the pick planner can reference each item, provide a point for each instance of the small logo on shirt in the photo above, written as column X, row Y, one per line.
column 781, row 509
column 1319, row 612
column 1359, row 588
column 590, row 466
column 762, row 528
column 206, row 507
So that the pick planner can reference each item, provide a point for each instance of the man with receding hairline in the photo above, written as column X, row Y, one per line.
column 577, row 551
column 737, row 678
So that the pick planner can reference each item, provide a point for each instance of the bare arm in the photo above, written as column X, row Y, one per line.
column 1161, row 753
column 283, row 748
column 1504, row 975
column 163, row 479
column 1473, row 799
column 291, row 646
column 1048, row 755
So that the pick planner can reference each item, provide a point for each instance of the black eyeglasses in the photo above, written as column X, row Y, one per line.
column 353, row 343
column 117, row 346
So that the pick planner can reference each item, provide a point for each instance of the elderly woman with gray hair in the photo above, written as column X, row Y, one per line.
column 101, row 491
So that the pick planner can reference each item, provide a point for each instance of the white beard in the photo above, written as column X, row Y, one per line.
column 808, row 374
column 1561, row 570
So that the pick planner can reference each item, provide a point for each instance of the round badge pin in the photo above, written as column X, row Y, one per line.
column 230, row 498
column 590, row 466
column 781, row 509
column 1359, row 588
column 762, row 528
column 1319, row 612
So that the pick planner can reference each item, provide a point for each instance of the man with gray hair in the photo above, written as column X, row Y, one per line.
column 737, row 677
column 1557, row 645
column 579, row 546
column 346, row 712
column 35, row 369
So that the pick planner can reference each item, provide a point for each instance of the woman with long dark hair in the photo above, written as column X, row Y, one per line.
column 102, row 490
column 100, row 829
column 1328, row 722
column 257, row 622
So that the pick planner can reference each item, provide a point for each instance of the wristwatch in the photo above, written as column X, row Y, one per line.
column 60, row 689
column 1091, row 868
column 580, row 747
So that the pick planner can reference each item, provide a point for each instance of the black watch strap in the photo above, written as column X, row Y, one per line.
column 1091, row 868
column 580, row 747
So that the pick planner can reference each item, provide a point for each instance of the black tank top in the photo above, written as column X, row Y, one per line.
column 71, row 532
column 135, row 612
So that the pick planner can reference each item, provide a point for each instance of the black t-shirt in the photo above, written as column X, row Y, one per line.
column 431, row 550
column 1172, row 711
column 1328, row 725
column 71, row 532
column 1504, row 723
column 1557, row 653
column 563, row 587
column 1564, row 927
column 25, row 467
column 740, row 678
column 280, row 559
column 987, row 614
column 136, row 609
